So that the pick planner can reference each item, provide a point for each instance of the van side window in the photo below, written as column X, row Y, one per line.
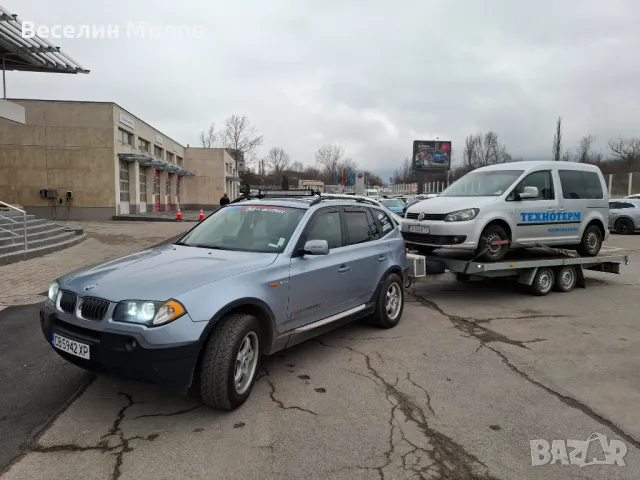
column 577, row 185
column 541, row 180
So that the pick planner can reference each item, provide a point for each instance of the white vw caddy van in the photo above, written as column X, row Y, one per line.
column 495, row 208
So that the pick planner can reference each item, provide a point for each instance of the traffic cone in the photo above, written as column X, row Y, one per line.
column 201, row 217
column 179, row 214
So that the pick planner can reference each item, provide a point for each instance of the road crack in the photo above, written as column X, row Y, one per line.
column 115, row 432
column 472, row 328
column 485, row 336
column 281, row 405
column 434, row 455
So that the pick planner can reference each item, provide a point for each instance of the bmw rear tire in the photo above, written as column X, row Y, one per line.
column 390, row 302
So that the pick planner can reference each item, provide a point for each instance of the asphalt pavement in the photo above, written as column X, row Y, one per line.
column 35, row 383
column 458, row 390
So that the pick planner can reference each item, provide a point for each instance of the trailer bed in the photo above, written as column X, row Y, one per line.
column 531, row 267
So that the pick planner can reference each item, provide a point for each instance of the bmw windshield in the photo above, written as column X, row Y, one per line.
column 248, row 228
column 483, row 184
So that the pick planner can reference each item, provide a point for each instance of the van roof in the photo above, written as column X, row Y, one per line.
column 530, row 165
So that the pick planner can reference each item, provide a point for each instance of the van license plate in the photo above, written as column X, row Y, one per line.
column 70, row 346
column 419, row 229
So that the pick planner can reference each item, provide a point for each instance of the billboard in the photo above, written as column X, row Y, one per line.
column 431, row 156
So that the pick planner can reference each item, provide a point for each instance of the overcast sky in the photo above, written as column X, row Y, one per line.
column 370, row 75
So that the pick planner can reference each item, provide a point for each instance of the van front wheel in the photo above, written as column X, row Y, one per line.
column 591, row 242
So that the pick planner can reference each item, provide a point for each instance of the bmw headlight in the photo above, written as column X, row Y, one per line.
column 54, row 288
column 148, row 313
column 462, row 215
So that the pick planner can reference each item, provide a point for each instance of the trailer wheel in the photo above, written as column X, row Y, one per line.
column 543, row 282
column 566, row 279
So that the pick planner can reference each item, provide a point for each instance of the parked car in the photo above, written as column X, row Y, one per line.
column 522, row 204
column 624, row 215
column 394, row 204
column 253, row 278
column 419, row 198
column 371, row 200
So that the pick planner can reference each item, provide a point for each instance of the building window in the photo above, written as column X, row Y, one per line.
column 169, row 157
column 124, row 181
column 143, row 184
column 179, row 161
column 143, row 145
column 157, row 151
column 125, row 137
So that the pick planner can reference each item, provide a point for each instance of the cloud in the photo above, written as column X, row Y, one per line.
column 372, row 76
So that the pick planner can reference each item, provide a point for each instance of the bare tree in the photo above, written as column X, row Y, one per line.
column 557, row 141
column 297, row 166
column 583, row 152
column 627, row 149
column 568, row 156
column 278, row 160
column 328, row 157
column 241, row 136
column 209, row 138
column 485, row 149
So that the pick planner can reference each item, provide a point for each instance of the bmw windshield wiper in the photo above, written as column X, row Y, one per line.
column 200, row 245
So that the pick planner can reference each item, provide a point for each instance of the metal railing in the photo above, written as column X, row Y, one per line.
column 14, row 222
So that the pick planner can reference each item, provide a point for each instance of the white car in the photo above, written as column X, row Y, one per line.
column 520, row 204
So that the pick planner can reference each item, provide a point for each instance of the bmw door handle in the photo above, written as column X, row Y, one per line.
column 551, row 209
column 343, row 268
column 382, row 258
column 562, row 209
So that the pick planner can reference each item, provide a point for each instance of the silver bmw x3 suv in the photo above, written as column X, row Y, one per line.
column 255, row 277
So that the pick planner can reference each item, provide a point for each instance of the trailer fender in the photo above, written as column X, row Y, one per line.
column 580, row 280
column 526, row 276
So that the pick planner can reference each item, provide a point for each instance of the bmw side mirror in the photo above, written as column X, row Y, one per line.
column 316, row 247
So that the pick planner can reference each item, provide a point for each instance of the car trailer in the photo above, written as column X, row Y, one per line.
column 542, row 270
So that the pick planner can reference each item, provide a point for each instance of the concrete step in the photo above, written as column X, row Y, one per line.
column 35, row 227
column 17, row 219
column 13, row 257
column 52, row 230
column 42, row 242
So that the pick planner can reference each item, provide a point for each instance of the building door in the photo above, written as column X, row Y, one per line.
column 143, row 189
column 177, row 190
column 124, row 188
column 156, row 190
column 167, row 190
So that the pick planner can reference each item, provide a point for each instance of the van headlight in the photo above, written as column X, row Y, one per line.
column 151, row 314
column 54, row 288
column 462, row 215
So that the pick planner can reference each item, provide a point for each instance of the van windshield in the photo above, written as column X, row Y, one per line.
column 483, row 184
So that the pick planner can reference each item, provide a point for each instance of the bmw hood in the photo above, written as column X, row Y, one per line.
column 442, row 205
column 161, row 273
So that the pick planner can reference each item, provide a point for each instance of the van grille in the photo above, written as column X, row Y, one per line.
column 427, row 216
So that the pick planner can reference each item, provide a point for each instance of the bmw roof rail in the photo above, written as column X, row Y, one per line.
column 342, row 197
column 273, row 193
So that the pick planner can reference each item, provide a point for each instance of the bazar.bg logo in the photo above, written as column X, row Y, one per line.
column 595, row 450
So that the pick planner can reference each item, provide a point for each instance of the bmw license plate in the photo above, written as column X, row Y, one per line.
column 70, row 346
column 419, row 229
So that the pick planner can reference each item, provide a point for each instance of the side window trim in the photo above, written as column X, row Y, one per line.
column 346, row 210
column 549, row 172
column 375, row 212
column 314, row 218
